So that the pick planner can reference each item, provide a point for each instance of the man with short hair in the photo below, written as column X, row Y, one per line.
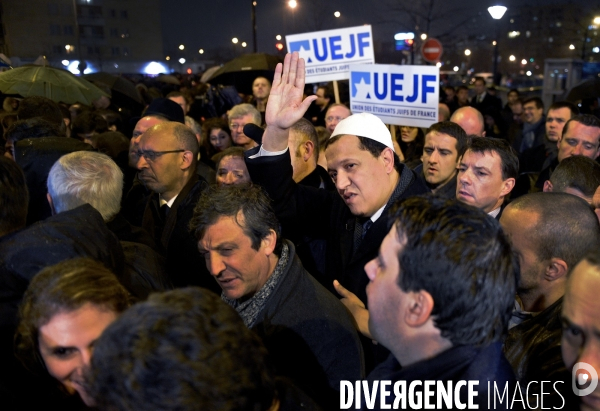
column 486, row 174
column 445, row 143
column 31, row 128
column 310, row 336
column 537, row 158
column 322, row 102
column 181, row 99
column 188, row 324
column 303, row 144
column 261, row 87
column 483, row 100
column 422, row 303
column 580, row 326
column 550, row 233
column 534, row 129
column 462, row 96
column 239, row 116
column 581, row 136
column 167, row 158
column 335, row 113
column 38, row 106
column 471, row 120
column 577, row 175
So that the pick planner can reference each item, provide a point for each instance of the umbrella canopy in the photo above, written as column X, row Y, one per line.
column 589, row 88
column 55, row 84
column 117, row 84
column 241, row 71
column 169, row 79
column 208, row 74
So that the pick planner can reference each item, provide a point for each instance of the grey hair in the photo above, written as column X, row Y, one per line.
column 86, row 177
column 243, row 109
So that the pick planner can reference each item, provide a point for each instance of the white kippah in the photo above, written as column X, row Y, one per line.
column 365, row 125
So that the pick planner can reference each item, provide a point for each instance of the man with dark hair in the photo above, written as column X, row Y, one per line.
column 550, row 233
column 213, row 361
column 445, row 143
column 14, row 198
column 534, row 128
column 483, row 100
column 577, row 175
column 580, row 328
column 323, row 102
column 581, row 136
column 310, row 336
column 440, row 295
column 32, row 128
column 261, row 87
column 462, row 96
column 87, row 126
column 539, row 157
column 38, row 106
column 487, row 174
column 182, row 99
column 167, row 157
column 303, row 144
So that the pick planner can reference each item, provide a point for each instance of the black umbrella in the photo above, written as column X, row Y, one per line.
column 117, row 84
column 241, row 71
column 589, row 88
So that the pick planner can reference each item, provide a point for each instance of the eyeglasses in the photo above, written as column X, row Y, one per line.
column 235, row 126
column 150, row 155
column 330, row 119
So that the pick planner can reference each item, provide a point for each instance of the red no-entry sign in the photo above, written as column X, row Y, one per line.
column 432, row 50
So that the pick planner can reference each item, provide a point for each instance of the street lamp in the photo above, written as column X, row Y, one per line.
column 423, row 36
column 496, row 12
column 181, row 47
column 292, row 4
column 235, row 40
column 253, row 16
column 337, row 14
column 467, row 52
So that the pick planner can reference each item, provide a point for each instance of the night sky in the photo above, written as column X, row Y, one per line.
column 211, row 24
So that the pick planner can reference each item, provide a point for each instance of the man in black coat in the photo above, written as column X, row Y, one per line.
column 309, row 334
column 364, row 167
column 166, row 160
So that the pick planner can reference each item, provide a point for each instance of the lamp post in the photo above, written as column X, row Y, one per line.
column 496, row 12
column 254, row 26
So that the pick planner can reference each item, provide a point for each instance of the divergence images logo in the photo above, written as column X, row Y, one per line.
column 584, row 374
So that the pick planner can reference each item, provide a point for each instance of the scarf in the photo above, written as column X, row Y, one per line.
column 250, row 309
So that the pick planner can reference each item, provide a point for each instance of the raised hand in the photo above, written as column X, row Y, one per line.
column 285, row 105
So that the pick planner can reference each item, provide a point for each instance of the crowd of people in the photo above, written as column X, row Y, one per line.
column 259, row 259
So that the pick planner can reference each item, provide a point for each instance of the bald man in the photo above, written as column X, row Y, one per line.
column 471, row 120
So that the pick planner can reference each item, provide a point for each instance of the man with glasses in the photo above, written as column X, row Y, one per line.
column 239, row 116
column 335, row 113
column 167, row 158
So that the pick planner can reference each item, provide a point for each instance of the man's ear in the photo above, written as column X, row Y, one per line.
column 309, row 150
column 51, row 203
column 507, row 186
column 420, row 307
column 187, row 160
column 388, row 159
column 269, row 242
column 548, row 186
column 556, row 269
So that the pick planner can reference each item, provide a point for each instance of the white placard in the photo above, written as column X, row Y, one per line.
column 401, row 95
column 328, row 54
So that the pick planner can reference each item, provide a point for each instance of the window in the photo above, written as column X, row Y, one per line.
column 124, row 14
column 68, row 30
column 115, row 51
column 55, row 30
column 113, row 13
column 114, row 32
column 125, row 51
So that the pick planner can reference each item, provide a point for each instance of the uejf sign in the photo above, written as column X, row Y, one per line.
column 328, row 54
column 402, row 95
column 432, row 50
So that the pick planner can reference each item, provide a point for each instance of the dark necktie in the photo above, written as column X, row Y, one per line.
column 164, row 211
column 361, row 226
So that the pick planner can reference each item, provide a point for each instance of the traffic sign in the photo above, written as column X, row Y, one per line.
column 432, row 50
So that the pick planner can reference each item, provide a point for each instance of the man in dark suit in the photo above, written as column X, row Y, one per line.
column 484, row 101
column 167, row 158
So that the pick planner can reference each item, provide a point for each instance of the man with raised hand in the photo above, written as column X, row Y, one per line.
column 363, row 165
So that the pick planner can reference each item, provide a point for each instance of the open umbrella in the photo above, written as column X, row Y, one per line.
column 169, row 79
column 56, row 84
column 117, row 85
column 589, row 88
column 208, row 74
column 241, row 71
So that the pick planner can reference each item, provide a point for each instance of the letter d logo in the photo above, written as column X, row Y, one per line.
column 583, row 373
